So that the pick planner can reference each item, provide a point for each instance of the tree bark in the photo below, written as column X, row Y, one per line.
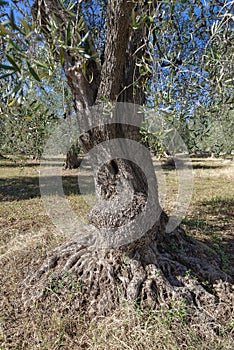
column 72, row 160
column 117, row 72
column 152, row 269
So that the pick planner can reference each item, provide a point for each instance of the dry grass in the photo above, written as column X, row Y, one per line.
column 27, row 235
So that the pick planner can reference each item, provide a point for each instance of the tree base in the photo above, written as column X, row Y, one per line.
column 149, row 273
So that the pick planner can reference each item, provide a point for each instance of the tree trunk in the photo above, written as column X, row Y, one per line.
column 72, row 158
column 152, row 267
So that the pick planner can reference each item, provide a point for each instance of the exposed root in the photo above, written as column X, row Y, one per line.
column 152, row 274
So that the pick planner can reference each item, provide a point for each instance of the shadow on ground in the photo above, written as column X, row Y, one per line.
column 28, row 165
column 20, row 188
column 195, row 166
column 211, row 223
column 215, row 227
column 207, row 167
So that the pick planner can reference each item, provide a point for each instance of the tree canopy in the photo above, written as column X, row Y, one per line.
column 184, row 62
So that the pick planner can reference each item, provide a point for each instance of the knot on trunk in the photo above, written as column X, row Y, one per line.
column 118, row 211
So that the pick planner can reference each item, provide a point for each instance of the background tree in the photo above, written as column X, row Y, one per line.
column 211, row 129
column 27, row 121
column 114, row 65
column 192, row 55
column 34, row 90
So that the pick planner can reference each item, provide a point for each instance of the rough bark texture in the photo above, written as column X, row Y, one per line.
column 117, row 38
column 159, row 267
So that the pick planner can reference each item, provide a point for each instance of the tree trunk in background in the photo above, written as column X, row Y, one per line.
column 153, row 269
column 72, row 158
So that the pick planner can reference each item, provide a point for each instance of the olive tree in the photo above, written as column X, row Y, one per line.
column 106, row 49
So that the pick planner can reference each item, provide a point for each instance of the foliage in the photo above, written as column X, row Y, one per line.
column 191, row 55
column 34, row 92
column 27, row 120
column 152, row 140
column 25, row 126
column 189, row 59
column 212, row 129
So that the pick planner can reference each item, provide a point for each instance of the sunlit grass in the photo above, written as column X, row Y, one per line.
column 27, row 235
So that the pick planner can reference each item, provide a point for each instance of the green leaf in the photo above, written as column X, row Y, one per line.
column 61, row 56
column 21, row 55
column 36, row 108
column 68, row 34
column 62, row 4
column 80, row 25
column 10, row 104
column 6, row 67
column 29, row 35
column 32, row 103
column 25, row 25
column 12, row 21
column 85, row 37
column 33, row 72
column 86, row 55
column 80, row 49
column 14, row 64
column 15, row 45
column 5, row 75
column 70, row 6
column 3, row 30
column 41, row 64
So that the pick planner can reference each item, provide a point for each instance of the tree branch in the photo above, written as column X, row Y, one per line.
column 117, row 38
column 77, row 69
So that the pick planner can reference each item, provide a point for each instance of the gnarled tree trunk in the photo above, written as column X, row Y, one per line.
column 153, row 268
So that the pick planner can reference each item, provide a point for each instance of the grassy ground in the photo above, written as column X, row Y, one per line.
column 27, row 234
